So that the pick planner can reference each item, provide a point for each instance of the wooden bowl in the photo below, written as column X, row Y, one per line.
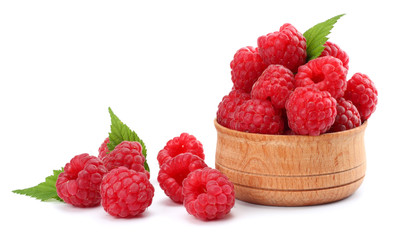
column 282, row 170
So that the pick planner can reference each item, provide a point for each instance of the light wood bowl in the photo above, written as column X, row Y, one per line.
column 282, row 170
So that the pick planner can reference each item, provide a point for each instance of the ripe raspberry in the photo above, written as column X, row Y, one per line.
column 182, row 144
column 258, row 116
column 363, row 94
column 208, row 194
column 286, row 47
column 103, row 150
column 246, row 67
column 79, row 183
column 228, row 105
column 173, row 172
column 127, row 154
column 325, row 73
column 310, row 111
column 333, row 50
column 275, row 84
column 347, row 116
column 125, row 192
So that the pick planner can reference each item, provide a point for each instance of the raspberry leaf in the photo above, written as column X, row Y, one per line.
column 316, row 37
column 121, row 132
column 45, row 190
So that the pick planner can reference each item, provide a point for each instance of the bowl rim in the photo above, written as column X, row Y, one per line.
column 260, row 136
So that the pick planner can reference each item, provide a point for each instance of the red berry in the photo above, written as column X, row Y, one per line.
column 347, row 116
column 79, row 183
column 246, row 67
column 275, row 84
column 333, row 50
column 286, row 47
column 228, row 105
column 182, row 144
column 310, row 111
column 363, row 94
column 173, row 172
column 324, row 73
column 208, row 194
column 126, row 154
column 103, row 150
column 125, row 192
column 258, row 116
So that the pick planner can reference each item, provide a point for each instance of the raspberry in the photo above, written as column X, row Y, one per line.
column 347, row 116
column 258, row 116
column 103, row 150
column 173, row 172
column 182, row 144
column 286, row 47
column 246, row 67
column 325, row 73
column 127, row 154
column 275, row 84
column 363, row 94
column 125, row 192
column 208, row 194
column 228, row 105
column 333, row 50
column 79, row 183
column 310, row 111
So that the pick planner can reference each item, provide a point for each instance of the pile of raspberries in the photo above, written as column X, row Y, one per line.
column 185, row 178
column 277, row 91
column 116, row 179
column 119, row 182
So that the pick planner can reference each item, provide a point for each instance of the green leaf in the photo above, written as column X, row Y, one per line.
column 316, row 37
column 45, row 190
column 121, row 132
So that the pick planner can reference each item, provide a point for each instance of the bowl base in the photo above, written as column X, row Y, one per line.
column 295, row 198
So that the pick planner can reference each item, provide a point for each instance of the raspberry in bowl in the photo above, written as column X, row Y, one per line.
column 297, row 137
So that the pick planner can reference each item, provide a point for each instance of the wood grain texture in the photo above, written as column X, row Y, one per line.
column 292, row 170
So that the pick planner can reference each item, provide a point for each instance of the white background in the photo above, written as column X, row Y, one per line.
column 163, row 67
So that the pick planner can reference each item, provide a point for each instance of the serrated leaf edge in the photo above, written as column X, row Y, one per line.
column 323, row 29
column 48, row 184
column 121, row 132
